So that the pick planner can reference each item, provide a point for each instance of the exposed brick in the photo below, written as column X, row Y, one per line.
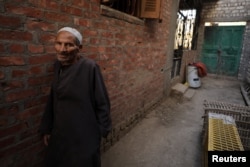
column 49, row 49
column 2, row 47
column 12, row 60
column 39, row 80
column 62, row 18
column 24, row 10
column 45, row 90
column 37, row 122
column 10, row 110
column 16, row 48
column 22, row 94
column 12, row 22
column 3, row 122
column 93, row 49
column 103, row 26
column 15, row 35
column 29, row 132
column 35, row 102
column 95, row 1
column 127, row 53
column 35, row 48
column 80, row 3
column 29, row 113
column 94, row 56
column 48, row 4
column 2, row 75
column 107, row 34
column 121, row 36
column 71, row 10
column 27, row 156
column 12, row 130
column 12, row 85
column 90, row 33
column 38, row 25
column 42, row 59
column 19, row 73
column 50, row 68
column 6, row 142
column 84, row 22
column 47, row 38
column 95, row 41
column 16, row 148
column 90, row 15
column 52, row 5
column 95, row 7
column 36, row 70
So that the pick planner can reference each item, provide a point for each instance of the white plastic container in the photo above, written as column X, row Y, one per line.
column 192, row 77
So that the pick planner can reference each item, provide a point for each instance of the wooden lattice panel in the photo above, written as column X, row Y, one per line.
column 218, row 105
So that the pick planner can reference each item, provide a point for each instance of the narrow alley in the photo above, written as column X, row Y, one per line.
column 142, row 49
column 170, row 135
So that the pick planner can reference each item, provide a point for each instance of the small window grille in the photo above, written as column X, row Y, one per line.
column 126, row 6
column 185, row 28
column 137, row 8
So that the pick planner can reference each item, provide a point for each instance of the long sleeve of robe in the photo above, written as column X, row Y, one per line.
column 77, row 115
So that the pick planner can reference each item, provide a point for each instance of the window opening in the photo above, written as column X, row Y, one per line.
column 138, row 8
column 185, row 29
column 126, row 6
column 183, row 38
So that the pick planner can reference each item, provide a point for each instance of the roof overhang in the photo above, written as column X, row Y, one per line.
column 193, row 4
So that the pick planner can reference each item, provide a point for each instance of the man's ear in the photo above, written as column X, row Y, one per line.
column 79, row 48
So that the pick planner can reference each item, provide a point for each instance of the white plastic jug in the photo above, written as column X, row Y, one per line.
column 192, row 77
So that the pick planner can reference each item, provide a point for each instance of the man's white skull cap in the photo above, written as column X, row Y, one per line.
column 73, row 31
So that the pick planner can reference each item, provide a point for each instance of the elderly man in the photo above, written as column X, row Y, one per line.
column 78, row 109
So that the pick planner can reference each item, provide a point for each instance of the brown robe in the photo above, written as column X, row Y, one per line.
column 77, row 115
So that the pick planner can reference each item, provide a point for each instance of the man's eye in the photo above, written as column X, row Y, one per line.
column 69, row 44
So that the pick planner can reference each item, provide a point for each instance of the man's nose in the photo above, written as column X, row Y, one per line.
column 62, row 48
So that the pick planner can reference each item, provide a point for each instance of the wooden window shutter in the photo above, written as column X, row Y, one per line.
column 150, row 9
column 106, row 1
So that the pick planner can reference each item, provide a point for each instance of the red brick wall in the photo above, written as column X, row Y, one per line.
column 131, row 53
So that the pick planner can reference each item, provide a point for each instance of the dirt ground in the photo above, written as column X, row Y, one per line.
column 170, row 135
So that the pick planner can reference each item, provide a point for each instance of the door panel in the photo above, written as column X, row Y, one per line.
column 222, row 49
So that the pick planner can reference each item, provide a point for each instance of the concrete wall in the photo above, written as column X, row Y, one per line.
column 228, row 11
column 133, row 55
column 170, row 47
column 245, row 59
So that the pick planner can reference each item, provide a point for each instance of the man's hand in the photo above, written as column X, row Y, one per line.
column 46, row 139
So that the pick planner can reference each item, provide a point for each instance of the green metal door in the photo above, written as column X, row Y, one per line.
column 221, row 50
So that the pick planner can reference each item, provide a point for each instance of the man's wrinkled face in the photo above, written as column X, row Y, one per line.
column 66, row 48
